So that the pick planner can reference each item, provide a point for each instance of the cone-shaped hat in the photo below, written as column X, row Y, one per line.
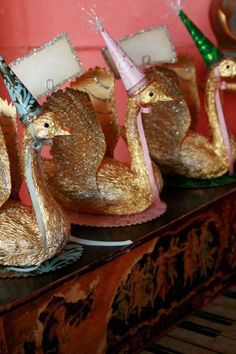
column 132, row 76
column 209, row 52
column 26, row 105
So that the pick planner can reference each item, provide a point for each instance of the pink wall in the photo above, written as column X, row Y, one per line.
column 25, row 24
column 29, row 23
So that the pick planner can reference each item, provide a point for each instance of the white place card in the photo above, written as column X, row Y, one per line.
column 146, row 47
column 49, row 66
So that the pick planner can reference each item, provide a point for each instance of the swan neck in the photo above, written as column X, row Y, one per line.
column 140, row 160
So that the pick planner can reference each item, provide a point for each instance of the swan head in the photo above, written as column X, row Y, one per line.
column 154, row 92
column 46, row 126
column 227, row 68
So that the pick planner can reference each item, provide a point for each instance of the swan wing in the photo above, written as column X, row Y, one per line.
column 168, row 122
column 100, row 85
column 76, row 158
column 185, row 68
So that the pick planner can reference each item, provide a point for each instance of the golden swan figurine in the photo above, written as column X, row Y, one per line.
column 170, row 130
column 30, row 235
column 91, row 182
column 173, row 145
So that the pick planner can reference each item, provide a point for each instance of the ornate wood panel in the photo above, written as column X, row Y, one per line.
column 119, row 306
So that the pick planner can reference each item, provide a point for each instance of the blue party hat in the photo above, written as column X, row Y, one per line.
column 26, row 105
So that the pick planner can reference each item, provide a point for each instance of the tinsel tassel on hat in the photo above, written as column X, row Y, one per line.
column 210, row 53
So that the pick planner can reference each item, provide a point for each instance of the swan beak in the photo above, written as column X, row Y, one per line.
column 164, row 97
column 63, row 130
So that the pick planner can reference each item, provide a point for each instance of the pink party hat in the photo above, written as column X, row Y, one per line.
column 132, row 76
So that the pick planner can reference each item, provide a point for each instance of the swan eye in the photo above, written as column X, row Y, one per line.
column 151, row 94
column 227, row 66
column 46, row 125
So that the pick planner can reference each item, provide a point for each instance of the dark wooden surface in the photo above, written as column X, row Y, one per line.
column 181, row 202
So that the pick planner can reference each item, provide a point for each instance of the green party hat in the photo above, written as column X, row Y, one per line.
column 208, row 50
column 210, row 53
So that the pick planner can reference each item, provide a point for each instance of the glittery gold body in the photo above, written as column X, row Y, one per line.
column 173, row 144
column 81, row 177
column 21, row 242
